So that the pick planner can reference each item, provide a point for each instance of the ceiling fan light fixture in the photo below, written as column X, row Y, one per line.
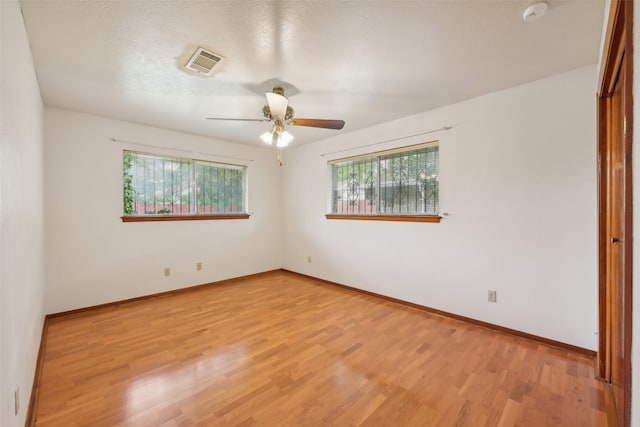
column 267, row 137
column 284, row 138
column 277, row 105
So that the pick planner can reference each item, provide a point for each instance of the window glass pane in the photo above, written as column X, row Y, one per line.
column 157, row 185
column 219, row 189
column 355, row 188
column 398, row 183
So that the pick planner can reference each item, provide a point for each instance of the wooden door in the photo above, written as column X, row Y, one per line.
column 617, row 235
column 615, row 210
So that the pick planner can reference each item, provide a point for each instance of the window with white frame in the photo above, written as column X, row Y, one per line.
column 403, row 181
column 156, row 185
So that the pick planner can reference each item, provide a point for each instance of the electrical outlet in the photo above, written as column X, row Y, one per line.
column 16, row 400
column 493, row 296
column 309, row 259
column 199, row 266
column 167, row 272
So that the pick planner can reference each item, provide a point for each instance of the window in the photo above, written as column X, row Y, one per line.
column 160, row 188
column 392, row 184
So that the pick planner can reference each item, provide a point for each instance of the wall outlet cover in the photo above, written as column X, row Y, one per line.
column 493, row 296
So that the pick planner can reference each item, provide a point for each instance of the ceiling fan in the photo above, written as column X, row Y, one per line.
column 280, row 113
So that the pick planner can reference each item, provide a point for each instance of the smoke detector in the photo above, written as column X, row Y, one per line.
column 203, row 62
column 535, row 11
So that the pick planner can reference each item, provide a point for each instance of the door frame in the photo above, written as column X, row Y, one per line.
column 618, row 44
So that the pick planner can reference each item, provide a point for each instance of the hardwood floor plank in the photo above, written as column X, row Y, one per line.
column 281, row 349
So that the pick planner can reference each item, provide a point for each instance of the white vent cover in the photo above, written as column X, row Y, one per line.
column 203, row 62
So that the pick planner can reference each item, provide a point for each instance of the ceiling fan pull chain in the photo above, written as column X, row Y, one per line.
column 280, row 156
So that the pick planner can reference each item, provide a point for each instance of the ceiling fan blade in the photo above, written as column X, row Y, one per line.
column 318, row 123
column 277, row 104
column 237, row 120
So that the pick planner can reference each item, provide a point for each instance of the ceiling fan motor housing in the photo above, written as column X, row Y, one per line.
column 266, row 111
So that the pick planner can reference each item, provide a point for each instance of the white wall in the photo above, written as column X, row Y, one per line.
column 93, row 257
column 518, row 177
column 21, row 215
column 603, row 36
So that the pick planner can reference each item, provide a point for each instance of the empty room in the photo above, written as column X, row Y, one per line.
column 318, row 213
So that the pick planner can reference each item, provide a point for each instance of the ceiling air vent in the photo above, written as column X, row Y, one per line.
column 203, row 62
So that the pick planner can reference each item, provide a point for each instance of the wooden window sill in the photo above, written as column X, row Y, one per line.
column 406, row 218
column 144, row 218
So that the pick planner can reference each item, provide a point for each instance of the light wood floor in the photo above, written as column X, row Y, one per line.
column 285, row 350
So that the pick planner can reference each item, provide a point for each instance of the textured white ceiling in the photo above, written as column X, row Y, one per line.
column 365, row 62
